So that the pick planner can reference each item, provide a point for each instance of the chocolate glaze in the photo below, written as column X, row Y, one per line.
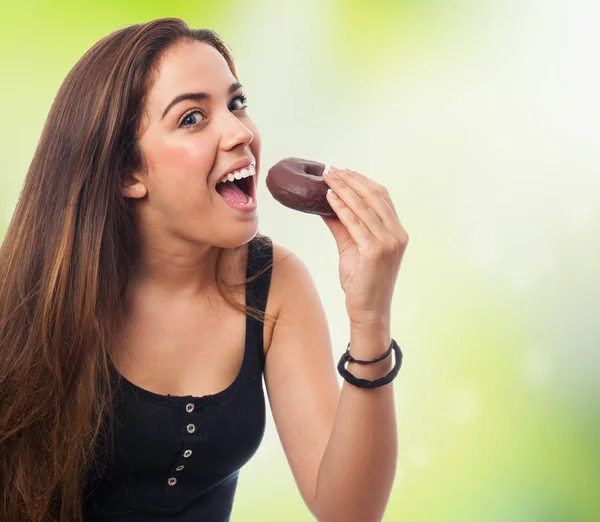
column 298, row 184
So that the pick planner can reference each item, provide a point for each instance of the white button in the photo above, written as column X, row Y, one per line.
column 179, row 468
column 187, row 454
column 191, row 428
column 189, row 407
column 172, row 481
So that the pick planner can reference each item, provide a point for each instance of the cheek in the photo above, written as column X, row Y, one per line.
column 185, row 158
column 182, row 166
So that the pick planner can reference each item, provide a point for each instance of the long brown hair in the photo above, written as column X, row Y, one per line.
column 63, row 271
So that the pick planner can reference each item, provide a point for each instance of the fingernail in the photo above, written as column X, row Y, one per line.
column 332, row 194
column 329, row 172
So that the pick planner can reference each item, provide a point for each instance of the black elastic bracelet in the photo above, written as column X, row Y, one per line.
column 349, row 358
column 365, row 383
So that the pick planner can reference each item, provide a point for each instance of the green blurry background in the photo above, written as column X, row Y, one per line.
column 481, row 118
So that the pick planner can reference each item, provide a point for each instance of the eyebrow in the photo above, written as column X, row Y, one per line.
column 198, row 96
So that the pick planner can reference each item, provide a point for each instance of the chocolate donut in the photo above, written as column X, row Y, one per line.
column 298, row 184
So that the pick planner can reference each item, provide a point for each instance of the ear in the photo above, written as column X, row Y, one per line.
column 133, row 187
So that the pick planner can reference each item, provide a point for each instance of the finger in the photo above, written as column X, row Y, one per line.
column 353, row 201
column 359, row 232
column 343, row 239
column 380, row 188
column 369, row 191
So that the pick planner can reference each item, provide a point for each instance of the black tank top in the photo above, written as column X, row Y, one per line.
column 178, row 458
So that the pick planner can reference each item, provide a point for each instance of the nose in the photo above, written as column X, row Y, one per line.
column 234, row 132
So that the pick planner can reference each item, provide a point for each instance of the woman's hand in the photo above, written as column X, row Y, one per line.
column 370, row 241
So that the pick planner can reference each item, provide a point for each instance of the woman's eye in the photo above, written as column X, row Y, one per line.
column 191, row 119
column 242, row 100
column 195, row 117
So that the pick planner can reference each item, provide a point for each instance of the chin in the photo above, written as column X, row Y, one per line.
column 237, row 237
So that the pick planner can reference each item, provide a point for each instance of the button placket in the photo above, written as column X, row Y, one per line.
column 190, row 428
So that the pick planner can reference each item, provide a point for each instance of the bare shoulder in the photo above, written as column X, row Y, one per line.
column 289, row 277
column 280, row 254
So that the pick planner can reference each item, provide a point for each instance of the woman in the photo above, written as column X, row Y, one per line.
column 139, row 309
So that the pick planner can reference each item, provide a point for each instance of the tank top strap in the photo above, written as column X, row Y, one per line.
column 260, row 259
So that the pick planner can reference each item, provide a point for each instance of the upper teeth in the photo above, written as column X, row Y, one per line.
column 239, row 174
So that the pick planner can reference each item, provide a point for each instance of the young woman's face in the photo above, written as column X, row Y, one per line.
column 190, row 144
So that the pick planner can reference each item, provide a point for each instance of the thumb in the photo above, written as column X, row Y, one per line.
column 340, row 232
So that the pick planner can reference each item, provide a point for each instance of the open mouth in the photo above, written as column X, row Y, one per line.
column 237, row 192
column 246, row 185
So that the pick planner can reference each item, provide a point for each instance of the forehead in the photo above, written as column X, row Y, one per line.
column 189, row 67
